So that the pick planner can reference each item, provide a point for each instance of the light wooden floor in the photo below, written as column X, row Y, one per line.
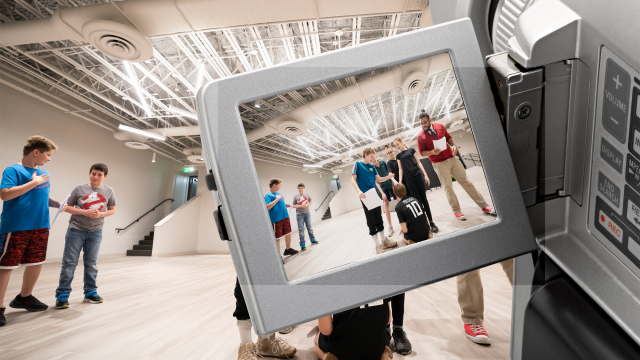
column 181, row 308
column 346, row 239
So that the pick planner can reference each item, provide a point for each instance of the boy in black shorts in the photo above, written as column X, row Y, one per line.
column 386, row 187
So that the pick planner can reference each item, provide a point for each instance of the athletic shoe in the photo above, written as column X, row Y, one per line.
column 274, row 346
column 92, row 297
column 29, row 303
column 247, row 352
column 391, row 231
column 489, row 210
column 303, row 248
column 3, row 320
column 379, row 249
column 409, row 242
column 388, row 243
column 286, row 331
column 434, row 228
column 460, row 216
column 314, row 242
column 387, row 334
column 329, row 356
column 62, row 301
column 387, row 354
column 477, row 334
column 290, row 251
column 400, row 341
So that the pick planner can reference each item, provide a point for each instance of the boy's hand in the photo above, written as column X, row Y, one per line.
column 91, row 213
column 436, row 151
column 392, row 175
column 64, row 207
column 39, row 179
column 362, row 195
column 278, row 197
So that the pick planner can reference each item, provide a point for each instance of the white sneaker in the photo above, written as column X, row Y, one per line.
column 247, row 352
column 387, row 243
column 390, row 233
column 275, row 346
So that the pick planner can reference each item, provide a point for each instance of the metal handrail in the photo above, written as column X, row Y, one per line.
column 138, row 219
column 325, row 199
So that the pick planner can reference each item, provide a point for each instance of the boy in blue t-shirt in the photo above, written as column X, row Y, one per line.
column 364, row 178
column 279, row 215
column 24, row 223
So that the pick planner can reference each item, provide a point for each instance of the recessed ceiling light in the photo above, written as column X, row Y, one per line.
column 339, row 32
column 253, row 52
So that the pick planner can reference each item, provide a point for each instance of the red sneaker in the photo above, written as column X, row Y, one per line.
column 477, row 334
column 460, row 216
column 489, row 210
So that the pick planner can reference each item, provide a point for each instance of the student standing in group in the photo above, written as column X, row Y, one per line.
column 24, row 222
column 412, row 170
column 88, row 204
column 445, row 163
column 302, row 203
column 364, row 178
column 279, row 215
column 386, row 186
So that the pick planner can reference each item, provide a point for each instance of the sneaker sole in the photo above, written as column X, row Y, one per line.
column 13, row 305
column 285, row 332
column 404, row 352
column 92, row 301
column 482, row 341
column 62, row 307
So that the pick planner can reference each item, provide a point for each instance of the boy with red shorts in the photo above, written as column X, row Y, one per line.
column 24, row 223
column 279, row 215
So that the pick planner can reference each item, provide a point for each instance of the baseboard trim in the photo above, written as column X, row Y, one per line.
column 175, row 254
column 100, row 256
column 217, row 252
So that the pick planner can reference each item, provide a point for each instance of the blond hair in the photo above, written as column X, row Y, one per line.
column 399, row 190
column 368, row 150
column 274, row 181
column 40, row 143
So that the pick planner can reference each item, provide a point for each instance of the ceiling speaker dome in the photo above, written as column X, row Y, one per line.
column 413, row 83
column 291, row 128
column 117, row 40
column 197, row 159
column 313, row 171
column 137, row 145
column 347, row 160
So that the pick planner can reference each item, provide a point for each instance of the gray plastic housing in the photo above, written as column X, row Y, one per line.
column 274, row 302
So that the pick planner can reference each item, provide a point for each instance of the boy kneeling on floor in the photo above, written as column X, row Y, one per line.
column 413, row 222
column 356, row 334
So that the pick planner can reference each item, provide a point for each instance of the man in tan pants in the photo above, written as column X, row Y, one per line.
column 446, row 165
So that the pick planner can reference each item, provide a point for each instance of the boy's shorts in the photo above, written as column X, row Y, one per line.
column 390, row 194
column 282, row 228
column 28, row 247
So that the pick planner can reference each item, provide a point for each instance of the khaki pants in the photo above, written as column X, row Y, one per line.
column 470, row 293
column 453, row 167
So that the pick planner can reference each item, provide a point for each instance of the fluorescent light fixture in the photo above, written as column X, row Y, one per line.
column 153, row 159
column 313, row 166
column 327, row 153
column 339, row 32
column 141, row 132
column 253, row 52
column 350, row 151
column 257, row 104
column 362, row 135
column 182, row 112
column 310, row 152
column 200, row 76
column 134, row 81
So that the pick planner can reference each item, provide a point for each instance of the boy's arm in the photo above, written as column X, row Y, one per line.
column 274, row 202
column 384, row 197
column 325, row 325
column 75, row 211
column 110, row 211
column 11, row 193
column 295, row 204
column 57, row 204
column 355, row 186
column 404, row 227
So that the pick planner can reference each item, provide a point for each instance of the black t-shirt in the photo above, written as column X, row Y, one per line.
column 410, row 211
column 392, row 165
column 408, row 161
column 359, row 334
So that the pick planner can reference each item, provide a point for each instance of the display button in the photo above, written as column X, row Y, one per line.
column 610, row 190
column 634, row 246
column 612, row 155
column 610, row 226
column 632, row 174
column 615, row 108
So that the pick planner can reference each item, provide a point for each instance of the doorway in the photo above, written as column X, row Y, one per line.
column 192, row 189
column 335, row 186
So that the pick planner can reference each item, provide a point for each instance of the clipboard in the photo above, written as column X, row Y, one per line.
column 60, row 209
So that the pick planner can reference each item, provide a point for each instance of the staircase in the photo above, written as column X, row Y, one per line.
column 143, row 248
column 327, row 214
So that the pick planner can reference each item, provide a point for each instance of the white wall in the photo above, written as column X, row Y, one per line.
column 316, row 186
column 176, row 234
column 466, row 143
column 138, row 183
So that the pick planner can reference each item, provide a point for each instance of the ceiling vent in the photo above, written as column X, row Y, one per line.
column 413, row 83
column 137, row 145
column 291, row 128
column 337, row 171
column 457, row 123
column 117, row 40
column 347, row 160
column 313, row 171
column 197, row 159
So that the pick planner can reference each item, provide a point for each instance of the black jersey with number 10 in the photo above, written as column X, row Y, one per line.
column 410, row 211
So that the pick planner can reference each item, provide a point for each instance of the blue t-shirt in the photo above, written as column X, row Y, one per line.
column 28, row 211
column 366, row 175
column 279, row 210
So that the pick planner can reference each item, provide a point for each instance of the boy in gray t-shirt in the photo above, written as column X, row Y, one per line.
column 88, row 205
column 302, row 202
